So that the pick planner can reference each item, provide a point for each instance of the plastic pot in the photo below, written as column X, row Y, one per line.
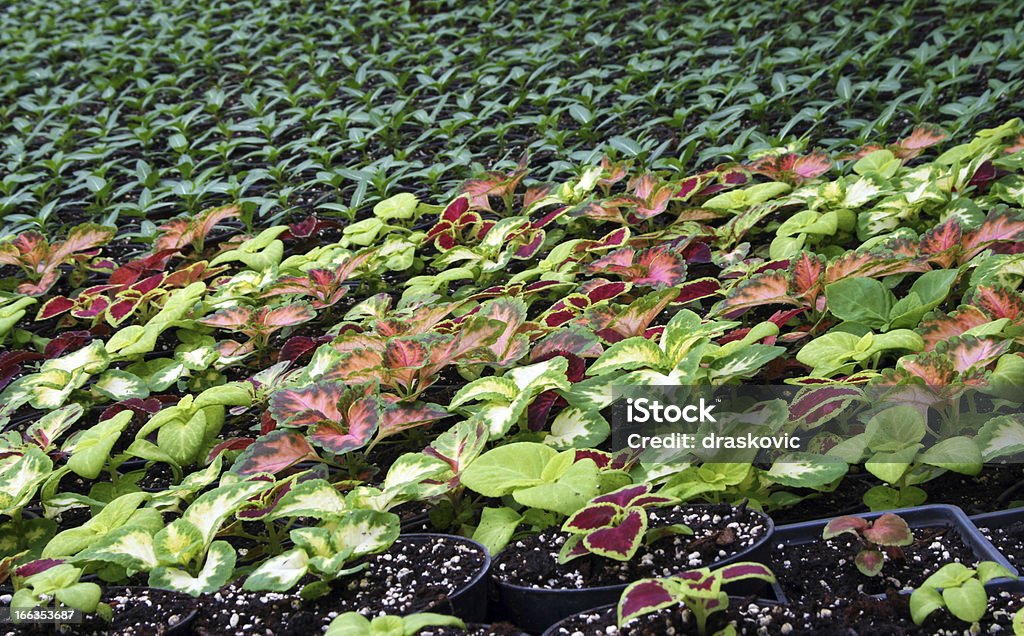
column 535, row 609
column 999, row 519
column 470, row 602
column 917, row 517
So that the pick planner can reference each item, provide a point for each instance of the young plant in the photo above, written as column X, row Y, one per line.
column 257, row 324
column 959, row 589
column 355, row 624
column 892, row 449
column 192, row 230
column 329, row 550
column 38, row 582
column 879, row 539
column 615, row 525
column 701, row 591
column 40, row 260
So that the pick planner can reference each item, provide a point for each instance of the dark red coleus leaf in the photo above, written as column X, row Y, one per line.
column 643, row 597
column 66, row 343
column 620, row 540
column 35, row 567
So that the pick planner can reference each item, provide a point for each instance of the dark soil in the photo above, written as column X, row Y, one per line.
column 409, row 577
column 1009, row 540
column 863, row 616
column 137, row 612
column 822, row 570
column 473, row 629
column 719, row 532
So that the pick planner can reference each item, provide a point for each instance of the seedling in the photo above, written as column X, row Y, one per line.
column 699, row 590
column 615, row 525
column 355, row 624
column 880, row 538
column 959, row 589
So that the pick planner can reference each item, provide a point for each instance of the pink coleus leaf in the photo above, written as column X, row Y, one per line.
column 621, row 541
column 361, row 420
column 999, row 302
column 889, row 530
column 644, row 597
column 307, row 406
column 968, row 351
column 1000, row 227
column 942, row 243
column 762, row 289
column 845, row 524
column 399, row 415
column 920, row 138
column 182, row 231
column 943, row 327
column 286, row 316
column 869, row 561
column 231, row 318
column 276, row 451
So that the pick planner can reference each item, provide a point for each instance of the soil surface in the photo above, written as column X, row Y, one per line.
column 719, row 532
column 821, row 570
column 864, row 616
column 409, row 577
column 137, row 612
column 1009, row 540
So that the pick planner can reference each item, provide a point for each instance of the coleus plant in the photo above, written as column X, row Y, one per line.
column 614, row 525
column 892, row 449
column 40, row 260
column 544, row 485
column 701, row 591
column 880, row 539
column 329, row 550
column 192, row 230
column 38, row 582
column 181, row 556
column 325, row 287
column 959, row 589
column 125, row 294
column 258, row 324
column 355, row 624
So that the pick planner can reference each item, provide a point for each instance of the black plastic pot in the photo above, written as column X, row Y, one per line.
column 470, row 602
column 917, row 517
column 553, row 629
column 1000, row 519
column 535, row 609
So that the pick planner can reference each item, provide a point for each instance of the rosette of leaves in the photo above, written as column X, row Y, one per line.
column 257, row 324
column 701, row 591
column 959, row 589
column 355, row 624
column 614, row 525
column 880, row 539
column 544, row 485
column 685, row 354
column 181, row 555
column 329, row 550
column 38, row 582
column 40, row 260
column 892, row 448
